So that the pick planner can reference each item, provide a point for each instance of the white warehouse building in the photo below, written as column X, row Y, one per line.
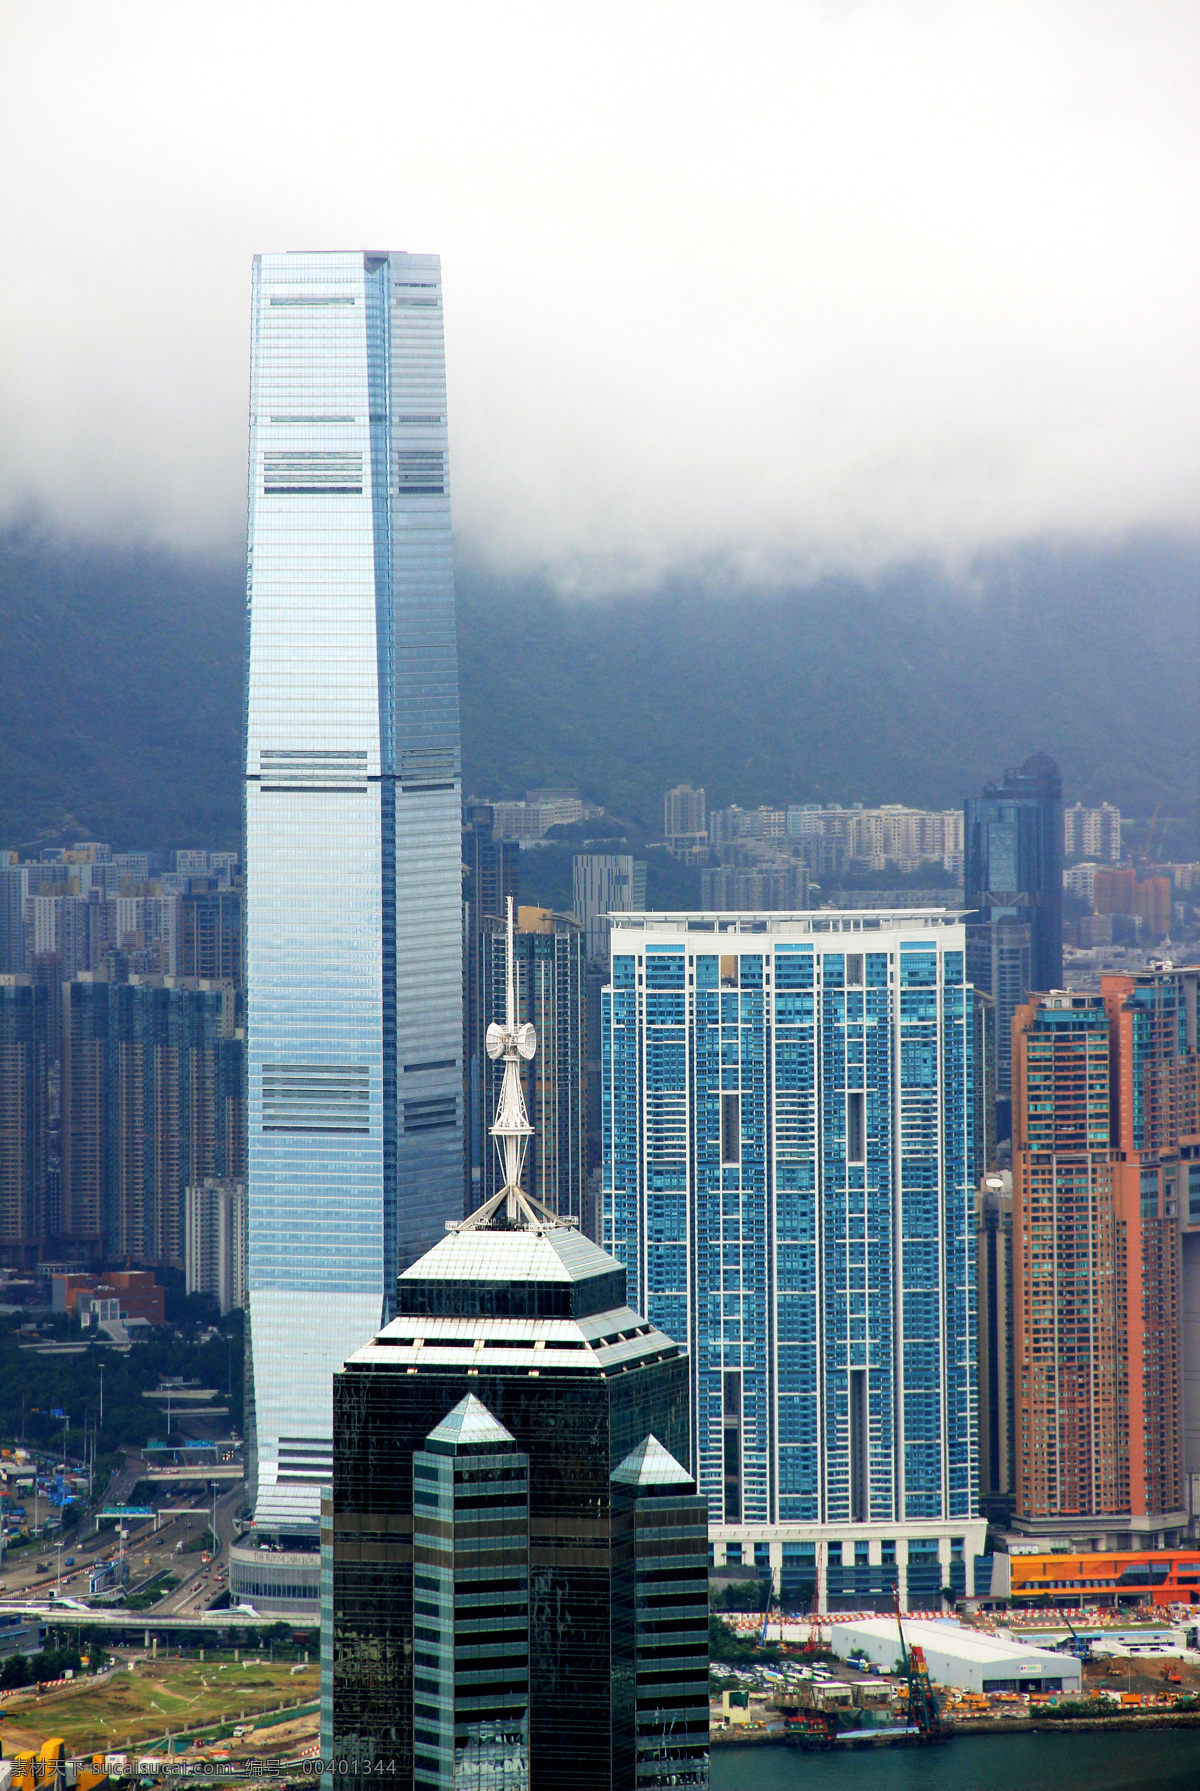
column 956, row 1655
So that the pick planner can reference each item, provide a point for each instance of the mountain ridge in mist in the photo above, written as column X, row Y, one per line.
column 121, row 687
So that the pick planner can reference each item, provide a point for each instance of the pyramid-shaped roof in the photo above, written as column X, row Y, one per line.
column 470, row 1426
column 651, row 1465
column 517, row 1272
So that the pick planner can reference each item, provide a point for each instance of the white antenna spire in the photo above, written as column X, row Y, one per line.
column 516, row 1045
column 512, row 1130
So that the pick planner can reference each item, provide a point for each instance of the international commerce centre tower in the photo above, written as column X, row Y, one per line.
column 353, row 789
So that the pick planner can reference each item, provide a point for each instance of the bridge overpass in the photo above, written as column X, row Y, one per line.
column 223, row 1470
column 145, row 1623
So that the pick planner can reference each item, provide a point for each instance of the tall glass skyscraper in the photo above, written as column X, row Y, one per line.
column 789, row 1176
column 1013, row 860
column 353, row 954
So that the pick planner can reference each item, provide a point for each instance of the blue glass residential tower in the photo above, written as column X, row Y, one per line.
column 353, row 966
column 788, row 1178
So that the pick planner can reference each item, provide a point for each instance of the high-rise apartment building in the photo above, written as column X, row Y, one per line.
column 789, row 1179
column 1013, row 862
column 1096, row 1283
column 210, row 935
column 1113, row 889
column 24, row 1118
column 215, row 1253
column 353, row 795
column 685, row 823
column 531, row 819
column 14, row 887
column 549, row 968
column 999, row 964
column 994, row 1326
column 1092, row 832
column 983, row 1080
column 605, row 883
column 1152, row 904
column 491, row 866
column 1154, row 1034
column 833, row 838
column 85, row 1121
column 780, row 885
column 152, row 1102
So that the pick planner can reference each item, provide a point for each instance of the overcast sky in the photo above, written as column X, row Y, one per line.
column 772, row 288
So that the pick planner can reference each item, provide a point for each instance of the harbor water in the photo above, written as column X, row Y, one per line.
column 1123, row 1760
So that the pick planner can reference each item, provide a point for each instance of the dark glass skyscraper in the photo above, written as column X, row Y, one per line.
column 518, row 1310
column 1013, row 861
column 470, row 1605
column 660, row 1623
column 531, row 1318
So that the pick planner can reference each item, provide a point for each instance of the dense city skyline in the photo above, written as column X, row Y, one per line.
column 676, row 1107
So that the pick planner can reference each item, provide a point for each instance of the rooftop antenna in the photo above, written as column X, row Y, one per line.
column 516, row 1045
column 512, row 1206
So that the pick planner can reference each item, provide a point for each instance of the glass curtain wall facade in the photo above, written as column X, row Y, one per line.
column 660, row 1623
column 789, row 1171
column 532, row 1321
column 470, row 1606
column 1013, row 861
column 353, row 966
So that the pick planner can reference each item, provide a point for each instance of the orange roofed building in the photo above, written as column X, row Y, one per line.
column 139, row 1293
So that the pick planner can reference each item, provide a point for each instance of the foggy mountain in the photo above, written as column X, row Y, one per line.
column 121, row 687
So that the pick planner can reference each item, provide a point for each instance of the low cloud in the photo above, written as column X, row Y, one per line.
column 771, row 289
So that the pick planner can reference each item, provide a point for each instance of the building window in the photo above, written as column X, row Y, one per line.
column 855, row 1127
column 732, row 1424
column 887, row 1554
column 731, row 1128
column 1149, row 1191
column 858, row 1444
column 854, row 970
column 862, row 1554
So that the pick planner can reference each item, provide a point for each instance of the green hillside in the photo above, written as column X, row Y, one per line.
column 120, row 688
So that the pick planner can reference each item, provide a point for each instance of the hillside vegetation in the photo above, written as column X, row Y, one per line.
column 121, row 687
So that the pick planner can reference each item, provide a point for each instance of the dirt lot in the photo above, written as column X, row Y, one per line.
column 156, row 1697
column 1139, row 1674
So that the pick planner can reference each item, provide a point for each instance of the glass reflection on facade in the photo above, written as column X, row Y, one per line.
column 470, row 1606
column 352, row 831
column 789, row 1146
column 532, row 1320
column 660, row 1623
